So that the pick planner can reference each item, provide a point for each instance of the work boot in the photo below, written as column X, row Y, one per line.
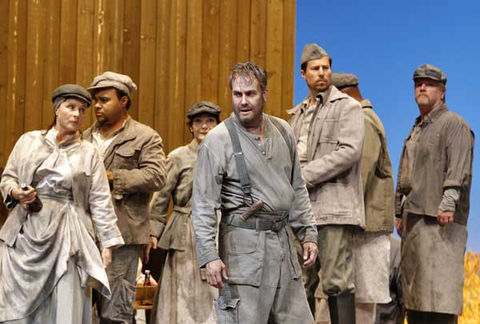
column 342, row 308
column 417, row 317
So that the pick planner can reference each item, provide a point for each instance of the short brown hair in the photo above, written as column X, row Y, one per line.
column 303, row 67
column 248, row 69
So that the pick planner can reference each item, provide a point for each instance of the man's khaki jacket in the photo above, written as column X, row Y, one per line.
column 377, row 174
column 334, row 148
column 137, row 161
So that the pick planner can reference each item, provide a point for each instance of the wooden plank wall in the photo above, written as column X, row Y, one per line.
column 177, row 51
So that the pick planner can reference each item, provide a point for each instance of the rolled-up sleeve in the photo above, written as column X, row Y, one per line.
column 207, row 186
column 459, row 154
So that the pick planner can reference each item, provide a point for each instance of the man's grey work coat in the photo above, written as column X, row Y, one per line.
column 275, row 179
column 334, row 148
column 137, row 161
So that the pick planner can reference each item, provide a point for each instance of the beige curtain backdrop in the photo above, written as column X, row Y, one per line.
column 177, row 52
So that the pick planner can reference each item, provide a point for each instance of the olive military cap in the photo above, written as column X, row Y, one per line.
column 72, row 91
column 312, row 52
column 203, row 107
column 115, row 80
column 343, row 80
column 430, row 72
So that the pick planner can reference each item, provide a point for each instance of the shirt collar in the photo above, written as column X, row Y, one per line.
column 96, row 129
column 320, row 98
column 431, row 116
column 323, row 96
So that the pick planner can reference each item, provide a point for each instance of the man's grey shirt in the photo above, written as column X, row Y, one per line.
column 274, row 175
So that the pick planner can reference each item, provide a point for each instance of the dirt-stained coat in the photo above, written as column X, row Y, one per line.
column 263, row 270
column 334, row 148
column 61, row 233
column 432, row 255
column 137, row 160
column 175, row 302
column 377, row 175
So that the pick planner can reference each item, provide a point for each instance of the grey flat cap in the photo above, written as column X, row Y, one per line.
column 115, row 80
column 203, row 107
column 430, row 72
column 343, row 80
column 312, row 52
column 72, row 91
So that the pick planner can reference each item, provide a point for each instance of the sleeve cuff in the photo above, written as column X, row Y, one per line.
column 117, row 184
column 308, row 184
column 450, row 199
column 113, row 242
column 310, row 238
column 156, row 230
column 452, row 183
column 207, row 258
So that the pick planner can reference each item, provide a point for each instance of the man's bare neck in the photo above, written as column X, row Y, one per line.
column 257, row 129
column 425, row 110
column 107, row 129
column 312, row 98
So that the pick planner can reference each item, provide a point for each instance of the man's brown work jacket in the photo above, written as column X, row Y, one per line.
column 442, row 159
column 377, row 175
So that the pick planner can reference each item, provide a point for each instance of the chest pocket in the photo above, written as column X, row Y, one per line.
column 327, row 142
column 433, row 148
column 126, row 158
column 329, row 130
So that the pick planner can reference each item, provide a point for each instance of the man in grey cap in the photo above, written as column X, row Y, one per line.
column 432, row 203
column 329, row 129
column 135, row 163
column 371, row 247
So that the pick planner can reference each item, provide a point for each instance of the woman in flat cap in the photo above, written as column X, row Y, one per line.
column 56, row 187
column 184, row 295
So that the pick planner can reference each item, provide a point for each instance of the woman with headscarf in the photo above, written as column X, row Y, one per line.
column 48, row 257
column 184, row 295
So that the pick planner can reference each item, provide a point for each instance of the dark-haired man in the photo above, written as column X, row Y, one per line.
column 135, row 163
column 248, row 168
column 329, row 129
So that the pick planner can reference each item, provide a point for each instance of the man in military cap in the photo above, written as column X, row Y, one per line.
column 135, row 163
column 432, row 203
column 248, row 168
column 371, row 247
column 329, row 129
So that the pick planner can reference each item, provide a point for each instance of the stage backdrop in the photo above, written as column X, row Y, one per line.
column 176, row 51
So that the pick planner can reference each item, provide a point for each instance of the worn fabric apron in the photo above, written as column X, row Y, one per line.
column 50, row 242
column 184, row 295
column 432, row 265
